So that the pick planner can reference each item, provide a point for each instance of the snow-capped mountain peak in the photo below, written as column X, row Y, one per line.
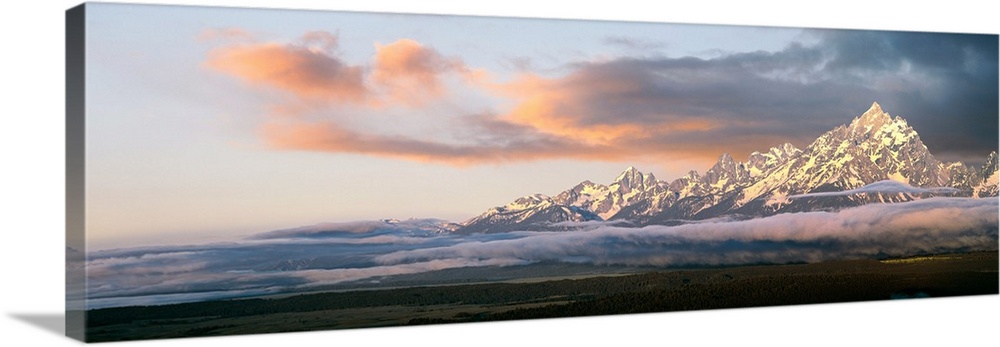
column 585, row 201
column 873, row 147
column 631, row 177
column 874, row 118
column 726, row 161
column 990, row 178
column 758, row 163
column 990, row 166
column 528, row 201
column 784, row 151
column 726, row 174
column 876, row 128
column 649, row 180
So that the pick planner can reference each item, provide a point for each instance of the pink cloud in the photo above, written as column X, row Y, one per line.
column 330, row 137
column 305, row 70
column 411, row 72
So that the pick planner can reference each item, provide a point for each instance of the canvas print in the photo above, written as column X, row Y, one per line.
column 237, row 171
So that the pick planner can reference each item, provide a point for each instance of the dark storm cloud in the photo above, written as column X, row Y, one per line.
column 700, row 107
column 948, row 89
column 945, row 85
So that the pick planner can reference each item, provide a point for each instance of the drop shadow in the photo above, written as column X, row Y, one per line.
column 51, row 322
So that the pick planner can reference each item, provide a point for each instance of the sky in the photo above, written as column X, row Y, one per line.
column 210, row 123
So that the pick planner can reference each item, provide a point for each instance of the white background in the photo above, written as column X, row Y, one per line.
column 32, row 188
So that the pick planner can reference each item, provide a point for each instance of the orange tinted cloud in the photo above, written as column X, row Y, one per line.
column 305, row 70
column 411, row 72
column 566, row 107
column 330, row 137
column 404, row 72
column 550, row 110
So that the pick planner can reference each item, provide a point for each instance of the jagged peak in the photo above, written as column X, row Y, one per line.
column 528, row 201
column 871, row 119
column 629, row 170
column 781, row 151
column 876, row 108
column 628, row 174
column 532, row 197
column 788, row 149
column 900, row 120
column 725, row 163
column 991, row 163
column 693, row 175
column 648, row 178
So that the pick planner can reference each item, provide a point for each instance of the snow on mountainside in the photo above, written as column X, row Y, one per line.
column 628, row 188
column 988, row 188
column 873, row 147
column 586, row 201
column 535, row 212
column 758, row 163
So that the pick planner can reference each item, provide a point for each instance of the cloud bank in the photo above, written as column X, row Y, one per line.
column 884, row 187
column 304, row 69
column 303, row 258
column 923, row 226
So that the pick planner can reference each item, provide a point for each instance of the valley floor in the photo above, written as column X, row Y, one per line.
column 660, row 291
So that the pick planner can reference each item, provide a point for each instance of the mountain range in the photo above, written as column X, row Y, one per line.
column 874, row 159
